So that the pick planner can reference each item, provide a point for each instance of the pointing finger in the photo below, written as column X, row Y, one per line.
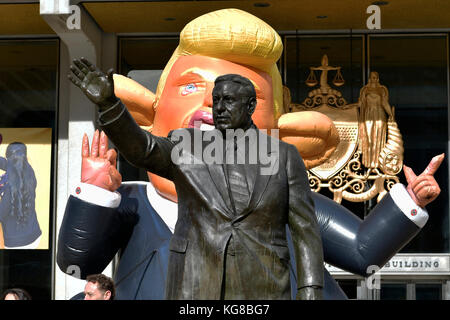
column 434, row 164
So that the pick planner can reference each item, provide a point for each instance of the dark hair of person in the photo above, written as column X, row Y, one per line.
column 21, row 182
column 104, row 283
column 21, row 294
column 236, row 78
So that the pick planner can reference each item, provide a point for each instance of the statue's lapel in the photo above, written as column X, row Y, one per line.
column 262, row 175
column 221, row 184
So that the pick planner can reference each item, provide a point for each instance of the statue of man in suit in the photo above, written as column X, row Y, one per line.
column 231, row 216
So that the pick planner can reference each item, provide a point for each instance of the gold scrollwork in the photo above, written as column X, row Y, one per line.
column 353, row 184
column 314, row 183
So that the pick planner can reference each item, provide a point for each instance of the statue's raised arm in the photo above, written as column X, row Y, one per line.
column 115, row 119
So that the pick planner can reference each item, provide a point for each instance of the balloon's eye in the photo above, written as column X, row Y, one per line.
column 188, row 89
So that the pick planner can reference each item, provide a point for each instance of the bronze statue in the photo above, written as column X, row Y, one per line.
column 230, row 238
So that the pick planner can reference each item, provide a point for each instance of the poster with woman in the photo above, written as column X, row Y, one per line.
column 25, row 175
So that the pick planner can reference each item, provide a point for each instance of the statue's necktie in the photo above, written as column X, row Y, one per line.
column 238, row 186
column 236, row 176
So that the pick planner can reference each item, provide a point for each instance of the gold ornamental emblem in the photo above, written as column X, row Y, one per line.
column 369, row 156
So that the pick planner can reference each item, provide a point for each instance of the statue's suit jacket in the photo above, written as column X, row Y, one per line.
column 206, row 221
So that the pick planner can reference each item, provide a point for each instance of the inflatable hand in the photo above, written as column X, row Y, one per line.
column 423, row 189
column 313, row 133
column 98, row 165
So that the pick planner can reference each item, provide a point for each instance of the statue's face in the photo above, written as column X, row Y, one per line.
column 374, row 77
column 232, row 106
column 186, row 100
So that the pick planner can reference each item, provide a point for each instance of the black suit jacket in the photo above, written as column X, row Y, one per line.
column 206, row 221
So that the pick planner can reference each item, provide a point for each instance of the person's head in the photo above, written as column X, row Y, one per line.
column 15, row 294
column 217, row 43
column 99, row 287
column 234, row 101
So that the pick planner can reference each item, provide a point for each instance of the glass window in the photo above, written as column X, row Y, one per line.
column 28, row 83
column 393, row 291
column 428, row 291
column 145, row 54
column 28, row 102
column 301, row 53
column 414, row 69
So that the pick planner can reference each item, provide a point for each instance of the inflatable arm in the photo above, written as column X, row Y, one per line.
column 91, row 235
column 353, row 244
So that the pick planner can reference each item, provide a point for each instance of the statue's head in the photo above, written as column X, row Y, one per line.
column 234, row 101
column 228, row 41
column 374, row 77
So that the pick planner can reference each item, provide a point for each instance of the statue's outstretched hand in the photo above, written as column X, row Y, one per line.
column 98, row 166
column 96, row 85
column 424, row 189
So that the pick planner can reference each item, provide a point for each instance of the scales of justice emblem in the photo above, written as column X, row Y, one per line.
column 369, row 156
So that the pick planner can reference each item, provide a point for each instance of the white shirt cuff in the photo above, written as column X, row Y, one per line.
column 96, row 195
column 404, row 201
